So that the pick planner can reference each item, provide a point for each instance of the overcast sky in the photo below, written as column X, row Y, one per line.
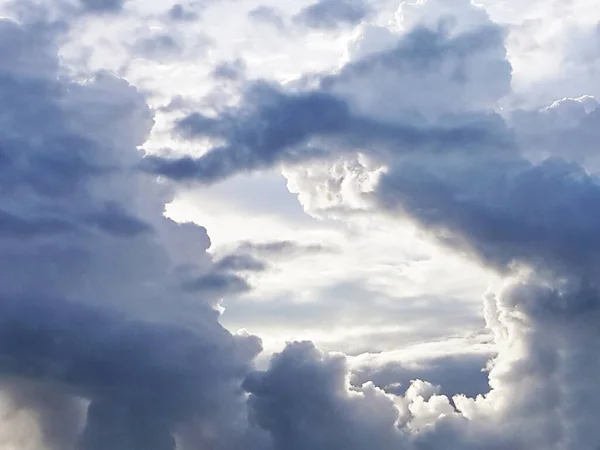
column 299, row 224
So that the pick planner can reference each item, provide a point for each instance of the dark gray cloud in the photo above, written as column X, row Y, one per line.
column 124, row 318
column 543, row 215
column 218, row 284
column 568, row 128
column 179, row 12
column 331, row 14
column 158, row 47
column 422, row 110
column 103, row 6
column 12, row 226
column 92, row 275
column 240, row 262
column 278, row 127
column 282, row 248
column 224, row 277
column 298, row 400
column 142, row 379
column 232, row 71
column 455, row 374
column 267, row 15
column 430, row 164
column 304, row 400
column 273, row 125
column 114, row 219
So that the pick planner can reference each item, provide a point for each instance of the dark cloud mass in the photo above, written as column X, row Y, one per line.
column 480, row 183
column 265, row 14
column 455, row 374
column 103, row 6
column 109, row 331
column 282, row 248
column 232, row 71
column 158, row 47
column 181, row 13
column 331, row 14
column 92, row 276
column 275, row 126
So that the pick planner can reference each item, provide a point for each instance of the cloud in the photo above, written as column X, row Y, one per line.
column 567, row 128
column 114, row 220
column 273, row 125
column 277, row 128
column 305, row 401
column 455, row 374
column 265, row 14
column 103, row 6
column 218, row 284
column 12, row 226
column 93, row 302
column 541, row 215
column 423, row 111
column 240, row 262
column 232, row 71
column 179, row 12
column 158, row 47
column 331, row 14
column 168, row 45
column 282, row 248
column 104, row 299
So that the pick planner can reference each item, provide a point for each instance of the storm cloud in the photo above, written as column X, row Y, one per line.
column 109, row 310
column 273, row 125
column 90, row 268
column 103, row 6
column 422, row 111
column 331, row 14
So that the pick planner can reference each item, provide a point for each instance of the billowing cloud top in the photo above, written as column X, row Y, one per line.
column 110, row 311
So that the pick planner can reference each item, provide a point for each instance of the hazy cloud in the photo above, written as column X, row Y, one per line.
column 107, row 304
column 268, row 15
column 103, row 6
column 331, row 14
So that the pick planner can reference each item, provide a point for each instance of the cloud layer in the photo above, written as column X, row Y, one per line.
column 93, row 276
column 109, row 324
column 426, row 110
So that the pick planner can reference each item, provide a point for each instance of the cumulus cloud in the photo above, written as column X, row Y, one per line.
column 232, row 71
column 102, row 6
column 331, row 14
column 93, row 295
column 179, row 12
column 273, row 127
column 455, row 374
column 434, row 93
column 282, row 248
column 567, row 128
column 105, row 301
column 268, row 15
column 476, row 181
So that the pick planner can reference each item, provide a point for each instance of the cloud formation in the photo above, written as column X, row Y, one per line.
column 103, row 6
column 93, row 276
column 108, row 306
column 441, row 82
column 331, row 14
column 477, row 181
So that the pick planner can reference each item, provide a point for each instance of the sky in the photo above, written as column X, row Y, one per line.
column 299, row 224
